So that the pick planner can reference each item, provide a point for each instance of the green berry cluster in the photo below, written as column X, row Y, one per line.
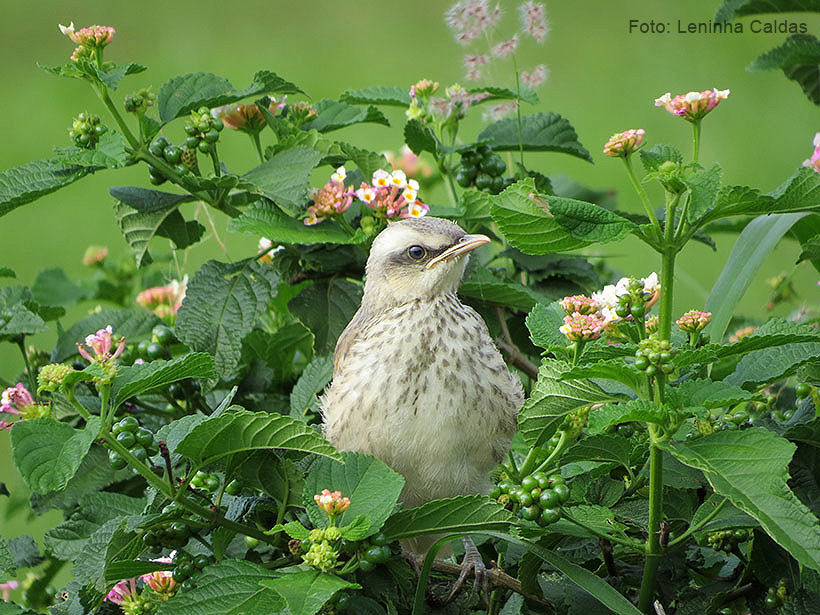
column 174, row 535
column 138, row 440
column 654, row 355
column 186, row 566
column 158, row 347
column 202, row 130
column 172, row 154
column 802, row 390
column 725, row 540
column 634, row 302
column 205, row 481
column 143, row 605
column 539, row 496
column 736, row 419
column 484, row 169
column 374, row 552
column 776, row 596
column 139, row 101
column 86, row 130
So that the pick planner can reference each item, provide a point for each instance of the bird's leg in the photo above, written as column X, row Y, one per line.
column 472, row 562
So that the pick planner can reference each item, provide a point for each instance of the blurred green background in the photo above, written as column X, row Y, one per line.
column 602, row 78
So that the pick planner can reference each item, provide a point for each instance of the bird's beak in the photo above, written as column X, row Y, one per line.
column 468, row 243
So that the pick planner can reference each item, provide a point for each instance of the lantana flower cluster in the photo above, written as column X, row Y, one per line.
column 101, row 343
column 245, row 117
column 331, row 502
column 454, row 104
column 814, row 161
column 694, row 321
column 90, row 40
column 392, row 195
column 165, row 301
column 409, row 162
column 13, row 402
column 331, row 199
column 610, row 298
column 692, row 106
column 623, row 144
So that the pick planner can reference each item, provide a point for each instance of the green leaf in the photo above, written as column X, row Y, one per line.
column 799, row 59
column 703, row 189
column 26, row 552
column 326, row 307
column 278, row 350
column 419, row 138
column 7, row 272
column 109, row 153
column 52, row 287
column 7, row 563
column 221, row 306
column 176, row 431
column 525, row 220
column 476, row 205
column 483, row 285
column 264, row 470
column 738, row 200
column 232, row 432
column 596, row 517
column 734, row 462
column 772, row 364
column 134, row 380
column 47, row 453
column 112, row 76
column 654, row 157
column 315, row 377
column 94, row 473
column 182, row 233
column 527, row 95
column 140, row 227
column 332, row 115
column 128, row 323
column 26, row 183
column 230, row 587
column 638, row 410
column 378, row 95
column 544, row 322
column 305, row 591
column 265, row 219
column 367, row 161
column 752, row 247
column 588, row 222
column 182, row 94
column 373, row 489
column 801, row 192
column 810, row 250
column 148, row 201
column 67, row 540
column 732, row 9
column 552, row 398
column 540, row 132
column 609, row 369
column 465, row 513
column 131, row 568
column 707, row 393
column 285, row 178
column 600, row 448
column 16, row 318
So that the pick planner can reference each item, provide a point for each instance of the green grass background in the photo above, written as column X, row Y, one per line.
column 602, row 78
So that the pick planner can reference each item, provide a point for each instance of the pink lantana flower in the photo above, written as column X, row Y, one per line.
column 582, row 327
column 694, row 321
column 331, row 199
column 123, row 592
column 623, row 144
column 92, row 36
column 579, row 303
column 161, row 581
column 331, row 502
column 692, row 106
column 814, row 161
column 392, row 195
column 165, row 301
column 408, row 162
column 101, row 343
column 94, row 255
column 6, row 588
column 14, row 399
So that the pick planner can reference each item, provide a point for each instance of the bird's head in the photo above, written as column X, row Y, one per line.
column 417, row 258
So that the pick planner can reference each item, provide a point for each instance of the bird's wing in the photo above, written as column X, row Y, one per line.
column 348, row 336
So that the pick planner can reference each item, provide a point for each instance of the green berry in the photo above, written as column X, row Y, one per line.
column 464, row 177
column 379, row 539
column 626, row 430
column 142, row 347
column 117, row 462
column 651, row 370
column 173, row 154
column 233, row 488
column 483, row 182
column 802, row 390
column 542, row 479
column 212, row 483
column 154, row 351
column 530, row 513
column 549, row 499
column 217, row 124
column 562, row 491
column 200, row 561
column 529, row 483
column 505, row 486
column 140, row 453
column 191, row 142
column 144, row 436
column 549, row 515
column 365, row 565
column 524, row 498
column 127, row 438
column 212, row 136
column 190, row 129
column 204, row 147
column 163, row 334
column 128, row 423
column 187, row 585
column 251, row 542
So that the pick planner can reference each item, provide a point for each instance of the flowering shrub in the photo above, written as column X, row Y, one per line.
column 656, row 469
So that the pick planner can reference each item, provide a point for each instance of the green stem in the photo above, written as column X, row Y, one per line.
column 258, row 145
column 340, row 220
column 72, row 399
column 672, row 201
column 682, row 221
column 578, row 348
column 626, row 542
column 667, row 288
column 518, row 111
column 563, row 442
column 32, row 383
column 102, row 92
column 642, row 194
column 695, row 140
column 653, row 549
column 694, row 528
column 105, row 392
column 215, row 160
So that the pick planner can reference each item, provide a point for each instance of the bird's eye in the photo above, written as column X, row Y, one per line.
column 416, row 252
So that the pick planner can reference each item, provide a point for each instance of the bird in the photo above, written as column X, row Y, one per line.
column 417, row 379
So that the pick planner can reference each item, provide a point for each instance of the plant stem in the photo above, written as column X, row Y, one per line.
column 518, row 111
column 102, row 92
column 653, row 547
column 258, row 144
column 563, row 442
column 694, row 528
column 626, row 542
column 667, row 287
column 215, row 160
column 695, row 140
column 32, row 383
column 340, row 220
column 72, row 399
column 642, row 194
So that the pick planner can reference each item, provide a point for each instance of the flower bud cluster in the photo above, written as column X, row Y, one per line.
column 624, row 144
column 18, row 401
column 86, row 130
column 582, row 327
column 164, row 301
column 655, row 355
column 94, row 255
column 725, row 540
column 203, row 128
column 51, row 376
column 139, row 101
column 331, row 502
column 694, row 321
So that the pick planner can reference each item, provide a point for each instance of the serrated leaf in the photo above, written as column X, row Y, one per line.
column 109, row 153
column 707, row 393
column 53, row 287
column 654, row 157
column 266, row 471
column 112, row 76
column 285, row 178
column 799, row 59
column 703, row 189
column 7, row 564
column 772, row 364
column 599, row 448
column 185, row 93
column 15, row 318
column 265, row 219
column 221, row 306
column 183, row 233
column 801, row 192
column 314, row 378
column 233, row 432
column 734, row 462
column 28, row 182
column 333, row 115
column 146, row 200
column 47, row 453
column 552, row 398
column 67, row 540
column 139, row 228
column 94, row 473
column 738, row 200
column 483, row 285
column 131, row 568
column 128, row 323
column 373, row 489
column 609, row 369
column 810, row 250
column 306, row 591
column 367, row 161
column 230, row 587
column 588, row 222
column 465, row 513
column 134, row 380
column 527, row 95
column 26, row 552
column 540, row 132
column 526, row 222
column 419, row 138
column 732, row 9
column 378, row 95
column 476, row 205
column 326, row 307
column 752, row 247
column 544, row 322
column 639, row 410
column 597, row 517
column 7, row 272
column 176, row 431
